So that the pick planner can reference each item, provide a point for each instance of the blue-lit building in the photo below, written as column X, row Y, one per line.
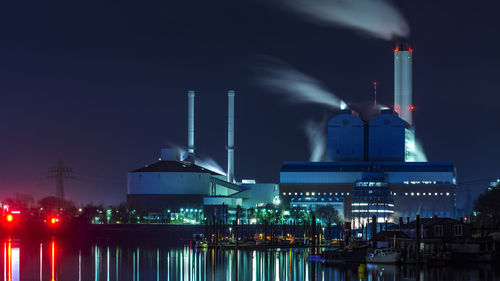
column 372, row 197
column 357, row 149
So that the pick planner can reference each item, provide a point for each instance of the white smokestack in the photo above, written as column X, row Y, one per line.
column 191, row 123
column 403, row 100
column 230, row 136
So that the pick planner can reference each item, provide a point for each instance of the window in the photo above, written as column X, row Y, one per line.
column 438, row 231
column 458, row 230
column 284, row 193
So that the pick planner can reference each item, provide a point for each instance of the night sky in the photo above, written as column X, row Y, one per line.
column 103, row 86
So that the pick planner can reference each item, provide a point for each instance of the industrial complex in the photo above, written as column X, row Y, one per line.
column 374, row 167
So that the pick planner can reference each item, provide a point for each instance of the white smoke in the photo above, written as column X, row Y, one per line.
column 298, row 86
column 205, row 162
column 377, row 18
column 210, row 164
column 419, row 152
column 315, row 133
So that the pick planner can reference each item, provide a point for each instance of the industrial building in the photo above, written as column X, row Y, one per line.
column 372, row 167
column 178, row 184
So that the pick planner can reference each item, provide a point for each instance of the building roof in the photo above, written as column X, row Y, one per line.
column 174, row 166
column 368, row 166
column 427, row 222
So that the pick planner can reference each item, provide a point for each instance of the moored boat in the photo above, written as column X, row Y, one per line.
column 384, row 255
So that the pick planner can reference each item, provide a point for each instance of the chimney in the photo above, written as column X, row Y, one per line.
column 230, row 136
column 191, row 123
column 403, row 100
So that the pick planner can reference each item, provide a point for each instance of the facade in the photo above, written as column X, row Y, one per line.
column 406, row 182
column 386, row 136
column 171, row 186
column 346, row 137
column 372, row 197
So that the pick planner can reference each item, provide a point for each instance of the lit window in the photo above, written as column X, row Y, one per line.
column 295, row 193
column 289, row 193
column 301, row 193
column 347, row 193
column 423, row 193
column 435, row 194
column 406, row 193
column 313, row 194
column 284, row 193
column 447, row 194
column 412, row 194
column 342, row 193
column 307, row 193
column 458, row 230
column 441, row 193
column 324, row 193
column 336, row 193
column 394, row 193
column 418, row 193
column 330, row 193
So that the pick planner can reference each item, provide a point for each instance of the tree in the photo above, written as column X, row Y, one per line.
column 328, row 215
column 487, row 209
column 300, row 214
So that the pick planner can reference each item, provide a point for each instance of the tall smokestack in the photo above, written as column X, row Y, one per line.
column 230, row 136
column 403, row 100
column 191, row 123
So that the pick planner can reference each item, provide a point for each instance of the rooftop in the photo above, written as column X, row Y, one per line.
column 174, row 166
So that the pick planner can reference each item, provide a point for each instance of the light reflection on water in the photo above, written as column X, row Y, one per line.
column 52, row 260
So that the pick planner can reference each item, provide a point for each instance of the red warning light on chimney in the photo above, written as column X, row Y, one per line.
column 396, row 107
column 411, row 107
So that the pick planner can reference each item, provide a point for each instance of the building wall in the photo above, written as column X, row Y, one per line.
column 386, row 136
column 259, row 193
column 351, row 177
column 162, row 202
column 168, row 183
column 410, row 200
column 346, row 141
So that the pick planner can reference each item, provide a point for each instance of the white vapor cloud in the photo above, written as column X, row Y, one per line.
column 316, row 137
column 297, row 86
column 377, row 18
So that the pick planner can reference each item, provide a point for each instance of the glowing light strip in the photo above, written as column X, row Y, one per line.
column 53, row 262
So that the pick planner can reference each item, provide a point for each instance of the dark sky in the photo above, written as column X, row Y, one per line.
column 102, row 85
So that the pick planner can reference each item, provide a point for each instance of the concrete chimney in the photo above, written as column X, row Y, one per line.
column 191, row 123
column 403, row 99
column 230, row 136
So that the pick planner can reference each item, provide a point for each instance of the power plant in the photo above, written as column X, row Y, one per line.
column 374, row 168
column 178, row 183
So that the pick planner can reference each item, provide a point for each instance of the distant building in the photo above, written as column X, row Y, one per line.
column 172, row 185
column 446, row 229
column 369, row 169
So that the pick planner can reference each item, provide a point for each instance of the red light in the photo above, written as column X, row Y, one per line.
column 375, row 83
column 396, row 107
column 410, row 49
column 411, row 107
column 396, row 50
column 53, row 220
column 10, row 218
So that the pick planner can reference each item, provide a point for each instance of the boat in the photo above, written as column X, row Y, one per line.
column 345, row 255
column 384, row 255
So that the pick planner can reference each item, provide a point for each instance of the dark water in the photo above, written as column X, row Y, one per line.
column 54, row 260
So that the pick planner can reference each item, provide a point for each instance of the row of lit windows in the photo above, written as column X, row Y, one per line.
column 419, row 182
column 314, row 193
column 425, row 194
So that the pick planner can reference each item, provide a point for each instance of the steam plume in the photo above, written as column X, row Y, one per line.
column 205, row 162
column 297, row 86
column 377, row 18
column 315, row 133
